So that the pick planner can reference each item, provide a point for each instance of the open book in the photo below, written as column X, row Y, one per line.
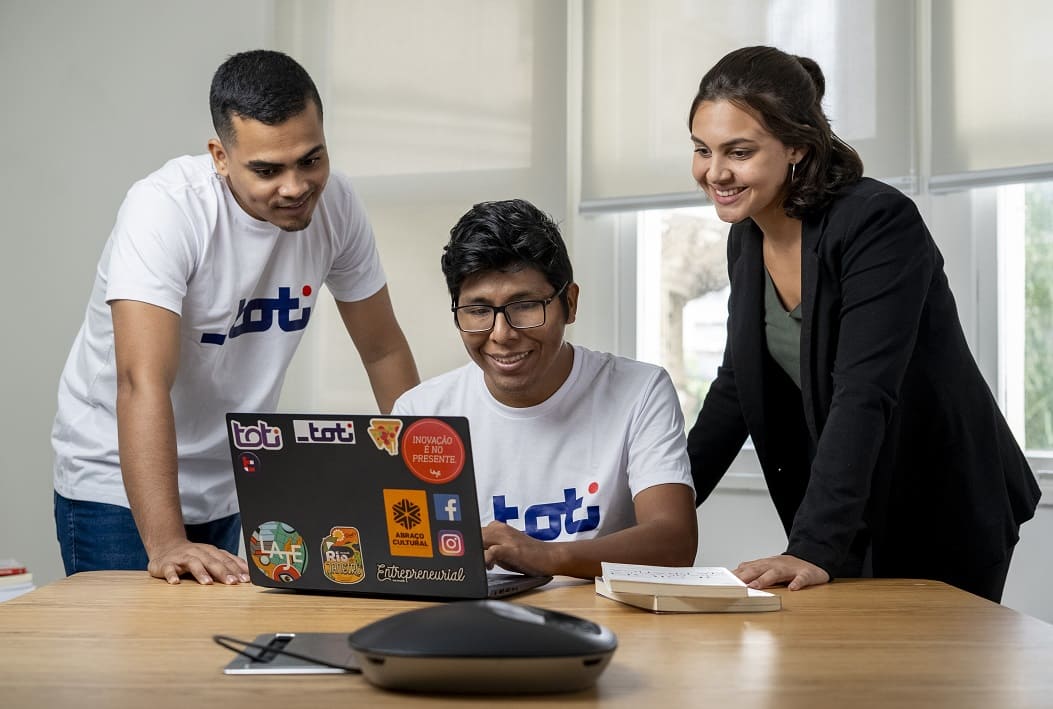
column 754, row 601
column 690, row 581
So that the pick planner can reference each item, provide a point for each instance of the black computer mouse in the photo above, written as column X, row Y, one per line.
column 483, row 647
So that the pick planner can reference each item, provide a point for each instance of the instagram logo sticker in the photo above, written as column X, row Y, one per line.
column 451, row 543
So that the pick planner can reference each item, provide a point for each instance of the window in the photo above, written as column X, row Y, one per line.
column 682, row 295
column 1038, row 326
column 430, row 108
column 1025, row 275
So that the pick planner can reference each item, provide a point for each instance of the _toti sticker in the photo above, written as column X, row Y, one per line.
column 342, row 555
column 278, row 551
column 433, row 451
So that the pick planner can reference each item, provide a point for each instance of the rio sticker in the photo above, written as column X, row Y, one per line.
column 278, row 551
column 409, row 531
column 342, row 556
column 433, row 451
column 385, row 434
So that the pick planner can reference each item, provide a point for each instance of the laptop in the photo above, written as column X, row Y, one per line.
column 363, row 505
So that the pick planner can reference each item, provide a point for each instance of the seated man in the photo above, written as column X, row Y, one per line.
column 580, row 456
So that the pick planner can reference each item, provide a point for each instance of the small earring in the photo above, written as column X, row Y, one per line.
column 793, row 171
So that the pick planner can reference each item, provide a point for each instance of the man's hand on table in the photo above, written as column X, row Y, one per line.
column 204, row 562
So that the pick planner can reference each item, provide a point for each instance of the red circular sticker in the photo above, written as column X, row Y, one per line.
column 433, row 451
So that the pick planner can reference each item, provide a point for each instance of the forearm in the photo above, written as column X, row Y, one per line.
column 664, row 542
column 149, row 464
column 392, row 374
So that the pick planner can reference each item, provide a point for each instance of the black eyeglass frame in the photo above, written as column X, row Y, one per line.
column 496, row 310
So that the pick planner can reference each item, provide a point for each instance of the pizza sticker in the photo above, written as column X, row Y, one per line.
column 385, row 434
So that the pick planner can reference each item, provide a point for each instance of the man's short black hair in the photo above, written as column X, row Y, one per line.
column 264, row 85
column 506, row 236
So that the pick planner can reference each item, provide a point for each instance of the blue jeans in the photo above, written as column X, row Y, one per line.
column 95, row 536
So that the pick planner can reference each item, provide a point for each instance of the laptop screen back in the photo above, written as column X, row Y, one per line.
column 359, row 504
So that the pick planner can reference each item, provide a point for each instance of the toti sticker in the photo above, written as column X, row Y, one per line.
column 409, row 532
column 433, row 451
column 385, row 434
column 342, row 556
column 278, row 551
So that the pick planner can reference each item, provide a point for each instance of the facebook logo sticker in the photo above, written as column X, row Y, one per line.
column 448, row 508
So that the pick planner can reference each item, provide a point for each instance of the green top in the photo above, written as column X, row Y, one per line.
column 783, row 331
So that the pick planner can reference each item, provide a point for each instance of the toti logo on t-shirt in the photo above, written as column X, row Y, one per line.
column 547, row 520
column 260, row 314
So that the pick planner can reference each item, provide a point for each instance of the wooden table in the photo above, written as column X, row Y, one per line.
column 122, row 639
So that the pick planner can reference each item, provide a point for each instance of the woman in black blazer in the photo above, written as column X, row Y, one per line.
column 883, row 449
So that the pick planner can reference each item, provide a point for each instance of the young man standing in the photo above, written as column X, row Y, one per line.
column 201, row 297
column 580, row 456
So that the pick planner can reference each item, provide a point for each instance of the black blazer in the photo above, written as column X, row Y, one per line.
column 894, row 437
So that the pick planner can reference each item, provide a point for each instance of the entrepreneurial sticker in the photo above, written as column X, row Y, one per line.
column 342, row 560
column 409, row 531
column 433, row 451
column 278, row 551
column 385, row 434
column 395, row 573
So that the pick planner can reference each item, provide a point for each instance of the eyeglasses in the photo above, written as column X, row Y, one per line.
column 520, row 314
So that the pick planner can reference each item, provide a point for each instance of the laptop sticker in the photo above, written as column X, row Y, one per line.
column 447, row 507
column 409, row 531
column 311, row 431
column 433, row 451
column 255, row 436
column 278, row 551
column 249, row 462
column 404, row 574
column 342, row 560
column 451, row 542
column 385, row 434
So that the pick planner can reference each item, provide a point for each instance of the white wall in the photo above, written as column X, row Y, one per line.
column 95, row 96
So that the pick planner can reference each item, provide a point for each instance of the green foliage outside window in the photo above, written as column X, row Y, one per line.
column 1038, row 348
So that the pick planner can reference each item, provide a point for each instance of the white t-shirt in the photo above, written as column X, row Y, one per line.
column 569, row 467
column 244, row 290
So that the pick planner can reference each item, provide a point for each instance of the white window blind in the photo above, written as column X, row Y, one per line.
column 643, row 62
column 457, row 101
column 418, row 88
column 430, row 107
column 992, row 109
